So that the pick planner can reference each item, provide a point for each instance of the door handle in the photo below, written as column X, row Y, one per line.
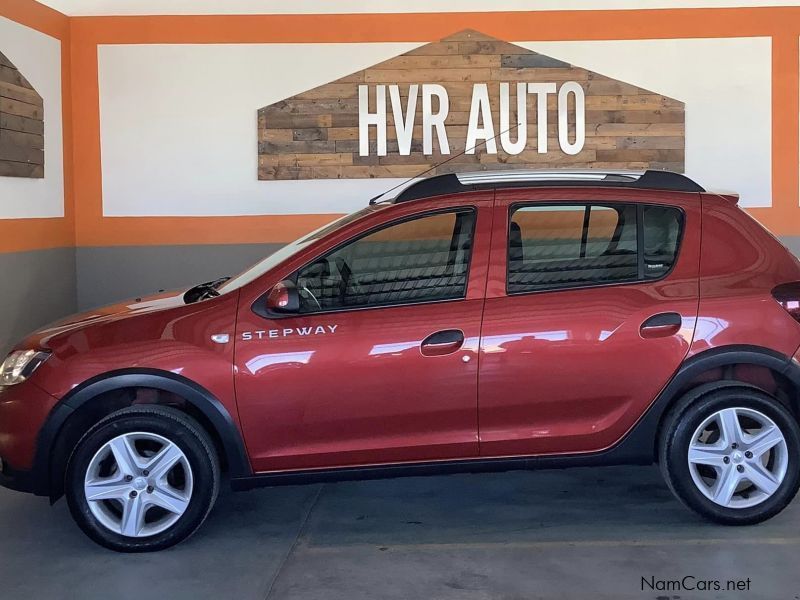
column 442, row 342
column 661, row 325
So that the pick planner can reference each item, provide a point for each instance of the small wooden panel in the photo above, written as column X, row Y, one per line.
column 315, row 134
column 21, row 125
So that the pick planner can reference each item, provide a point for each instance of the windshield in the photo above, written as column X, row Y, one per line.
column 289, row 250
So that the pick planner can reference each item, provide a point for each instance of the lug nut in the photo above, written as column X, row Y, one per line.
column 748, row 454
column 145, row 472
column 149, row 489
column 734, row 445
column 133, row 494
column 128, row 477
column 739, row 468
column 726, row 460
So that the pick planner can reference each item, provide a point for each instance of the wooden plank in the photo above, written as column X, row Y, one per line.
column 311, row 134
column 426, row 75
column 12, row 152
column 4, row 62
column 23, row 94
column 19, row 169
column 639, row 129
column 20, row 109
column 16, row 123
column 22, row 139
column 11, row 75
column 297, row 147
column 532, row 60
column 640, row 155
column 458, row 61
column 650, row 143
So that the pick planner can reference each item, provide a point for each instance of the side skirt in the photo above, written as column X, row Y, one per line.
column 615, row 456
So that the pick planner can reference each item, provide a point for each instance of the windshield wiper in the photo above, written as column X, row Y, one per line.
column 203, row 290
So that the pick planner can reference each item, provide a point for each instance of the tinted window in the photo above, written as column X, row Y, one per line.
column 419, row 260
column 662, row 230
column 575, row 245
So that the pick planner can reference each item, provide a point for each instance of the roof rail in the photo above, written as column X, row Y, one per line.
column 453, row 183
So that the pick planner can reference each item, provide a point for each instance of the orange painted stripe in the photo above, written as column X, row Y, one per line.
column 783, row 218
column 18, row 235
column 36, row 16
column 425, row 27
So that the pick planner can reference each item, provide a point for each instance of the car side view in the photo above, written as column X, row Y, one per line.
column 475, row 322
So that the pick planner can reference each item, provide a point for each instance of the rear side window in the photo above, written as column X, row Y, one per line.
column 424, row 259
column 575, row 245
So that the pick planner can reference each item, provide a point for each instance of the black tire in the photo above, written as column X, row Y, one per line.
column 676, row 434
column 178, row 428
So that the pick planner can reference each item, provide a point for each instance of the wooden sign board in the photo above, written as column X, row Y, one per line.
column 21, row 125
column 410, row 113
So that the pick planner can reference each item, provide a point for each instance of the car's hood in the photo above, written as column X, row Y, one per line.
column 112, row 312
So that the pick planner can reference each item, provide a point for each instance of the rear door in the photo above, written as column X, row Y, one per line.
column 591, row 307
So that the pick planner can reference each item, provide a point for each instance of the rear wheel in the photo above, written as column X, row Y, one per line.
column 144, row 478
column 732, row 456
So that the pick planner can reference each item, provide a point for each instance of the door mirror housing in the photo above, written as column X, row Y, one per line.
column 283, row 298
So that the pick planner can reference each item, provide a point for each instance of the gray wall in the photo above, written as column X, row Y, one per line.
column 793, row 243
column 36, row 287
column 109, row 274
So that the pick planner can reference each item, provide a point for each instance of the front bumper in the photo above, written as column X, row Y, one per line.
column 24, row 409
column 19, row 481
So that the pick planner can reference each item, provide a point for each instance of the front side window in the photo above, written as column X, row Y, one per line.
column 563, row 246
column 423, row 259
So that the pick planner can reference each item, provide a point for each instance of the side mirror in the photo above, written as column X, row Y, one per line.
column 283, row 298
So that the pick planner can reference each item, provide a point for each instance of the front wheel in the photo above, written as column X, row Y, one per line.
column 144, row 478
column 732, row 456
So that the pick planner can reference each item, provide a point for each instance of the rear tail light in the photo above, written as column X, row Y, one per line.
column 788, row 296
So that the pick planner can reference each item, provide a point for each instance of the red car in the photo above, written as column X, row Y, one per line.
column 476, row 322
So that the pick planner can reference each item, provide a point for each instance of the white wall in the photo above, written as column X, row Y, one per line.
column 38, row 57
column 178, row 122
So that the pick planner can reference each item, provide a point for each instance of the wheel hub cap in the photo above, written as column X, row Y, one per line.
column 738, row 457
column 138, row 484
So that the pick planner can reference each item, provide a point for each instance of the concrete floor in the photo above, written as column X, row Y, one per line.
column 577, row 533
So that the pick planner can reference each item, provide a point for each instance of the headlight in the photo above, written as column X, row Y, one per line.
column 19, row 365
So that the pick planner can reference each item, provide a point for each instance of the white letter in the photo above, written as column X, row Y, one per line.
column 260, row 334
column 580, row 118
column 287, row 332
column 404, row 127
column 522, row 119
column 319, row 329
column 273, row 333
column 365, row 119
column 431, row 121
column 541, row 89
column 246, row 335
column 480, row 108
column 332, row 328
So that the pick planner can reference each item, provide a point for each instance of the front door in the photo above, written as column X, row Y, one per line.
column 591, row 308
column 380, row 363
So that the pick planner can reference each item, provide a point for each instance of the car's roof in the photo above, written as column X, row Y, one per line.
column 452, row 183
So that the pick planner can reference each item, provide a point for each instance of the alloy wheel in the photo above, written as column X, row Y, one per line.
column 138, row 484
column 738, row 457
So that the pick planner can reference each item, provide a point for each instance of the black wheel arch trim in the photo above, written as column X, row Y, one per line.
column 196, row 395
